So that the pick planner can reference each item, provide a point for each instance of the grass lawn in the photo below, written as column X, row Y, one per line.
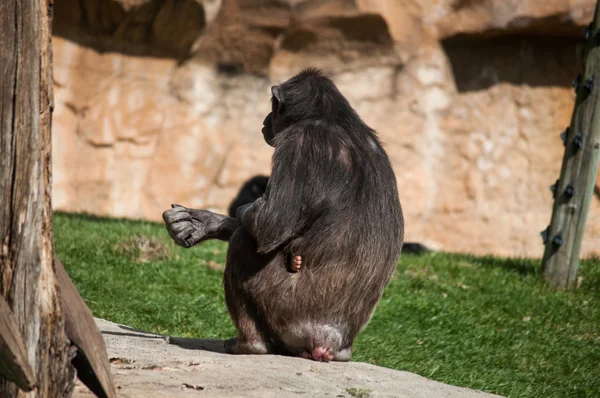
column 479, row 322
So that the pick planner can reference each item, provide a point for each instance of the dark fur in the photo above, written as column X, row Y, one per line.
column 332, row 198
column 256, row 186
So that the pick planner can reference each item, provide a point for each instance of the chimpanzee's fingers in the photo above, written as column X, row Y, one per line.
column 175, row 214
column 179, row 216
column 182, row 237
column 179, row 226
column 177, row 209
column 190, row 241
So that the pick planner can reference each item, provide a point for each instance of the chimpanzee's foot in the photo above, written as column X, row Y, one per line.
column 236, row 346
column 296, row 263
column 343, row 355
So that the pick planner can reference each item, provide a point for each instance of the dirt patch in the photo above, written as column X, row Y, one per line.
column 143, row 248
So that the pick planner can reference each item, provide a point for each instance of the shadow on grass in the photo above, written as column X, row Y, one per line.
column 589, row 269
column 521, row 266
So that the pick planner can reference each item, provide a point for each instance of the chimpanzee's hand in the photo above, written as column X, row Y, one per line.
column 188, row 227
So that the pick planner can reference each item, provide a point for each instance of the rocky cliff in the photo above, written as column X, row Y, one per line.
column 162, row 101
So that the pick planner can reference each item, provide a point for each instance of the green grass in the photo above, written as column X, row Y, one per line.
column 479, row 322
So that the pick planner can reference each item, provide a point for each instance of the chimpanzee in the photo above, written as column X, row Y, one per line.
column 256, row 186
column 332, row 198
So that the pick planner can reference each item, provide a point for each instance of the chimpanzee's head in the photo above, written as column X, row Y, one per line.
column 307, row 96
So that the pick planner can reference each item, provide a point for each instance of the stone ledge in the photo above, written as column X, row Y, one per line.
column 148, row 365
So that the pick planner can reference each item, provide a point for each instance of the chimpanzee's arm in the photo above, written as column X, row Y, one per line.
column 246, row 214
column 292, row 194
column 188, row 227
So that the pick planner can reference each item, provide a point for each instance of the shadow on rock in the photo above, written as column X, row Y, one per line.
column 114, row 329
column 189, row 343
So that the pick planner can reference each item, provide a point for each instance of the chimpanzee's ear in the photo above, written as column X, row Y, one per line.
column 277, row 98
column 276, row 91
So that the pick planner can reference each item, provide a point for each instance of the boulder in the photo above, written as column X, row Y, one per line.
column 146, row 365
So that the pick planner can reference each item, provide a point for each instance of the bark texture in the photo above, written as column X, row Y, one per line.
column 27, row 278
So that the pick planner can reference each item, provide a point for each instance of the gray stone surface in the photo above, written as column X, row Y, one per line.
column 147, row 366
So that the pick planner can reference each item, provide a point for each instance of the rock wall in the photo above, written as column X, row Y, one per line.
column 162, row 101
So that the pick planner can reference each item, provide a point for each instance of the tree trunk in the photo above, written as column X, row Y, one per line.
column 27, row 277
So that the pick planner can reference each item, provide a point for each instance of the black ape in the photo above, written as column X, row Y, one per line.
column 332, row 198
column 256, row 186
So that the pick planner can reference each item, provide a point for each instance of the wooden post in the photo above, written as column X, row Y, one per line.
column 27, row 278
column 46, row 330
column 575, row 188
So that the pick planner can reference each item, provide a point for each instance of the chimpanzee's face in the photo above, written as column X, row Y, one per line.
column 267, row 129
column 275, row 121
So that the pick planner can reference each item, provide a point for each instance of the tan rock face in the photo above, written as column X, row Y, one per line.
column 163, row 102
